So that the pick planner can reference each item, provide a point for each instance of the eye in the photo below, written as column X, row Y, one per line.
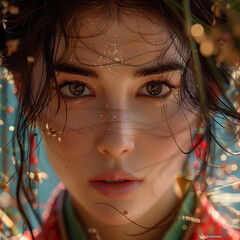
column 156, row 89
column 75, row 89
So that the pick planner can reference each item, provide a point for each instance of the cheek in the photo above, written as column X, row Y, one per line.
column 160, row 163
column 73, row 145
column 78, row 129
column 161, row 159
column 72, row 155
column 159, row 149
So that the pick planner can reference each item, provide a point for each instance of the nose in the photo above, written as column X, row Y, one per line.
column 116, row 142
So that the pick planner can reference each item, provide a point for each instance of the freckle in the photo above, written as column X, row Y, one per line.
column 66, row 167
column 125, row 212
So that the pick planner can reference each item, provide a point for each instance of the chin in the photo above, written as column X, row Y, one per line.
column 110, row 215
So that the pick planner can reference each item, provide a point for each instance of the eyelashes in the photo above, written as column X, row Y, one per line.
column 153, row 89
column 156, row 89
column 73, row 89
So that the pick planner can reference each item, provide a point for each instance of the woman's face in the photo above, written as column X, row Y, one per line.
column 120, row 126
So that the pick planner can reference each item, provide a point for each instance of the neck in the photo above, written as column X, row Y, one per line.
column 150, row 226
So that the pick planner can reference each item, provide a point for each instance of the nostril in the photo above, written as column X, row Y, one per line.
column 115, row 147
column 115, row 153
column 105, row 151
column 126, row 150
column 115, row 143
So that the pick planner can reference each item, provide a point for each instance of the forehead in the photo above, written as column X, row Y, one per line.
column 129, row 38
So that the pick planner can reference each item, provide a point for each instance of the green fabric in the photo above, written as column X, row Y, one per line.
column 73, row 227
column 176, row 231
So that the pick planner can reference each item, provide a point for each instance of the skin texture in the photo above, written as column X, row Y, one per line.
column 117, row 125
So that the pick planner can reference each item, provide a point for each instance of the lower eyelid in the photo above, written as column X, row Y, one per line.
column 165, row 95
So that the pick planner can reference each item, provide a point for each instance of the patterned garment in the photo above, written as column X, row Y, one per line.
column 206, row 222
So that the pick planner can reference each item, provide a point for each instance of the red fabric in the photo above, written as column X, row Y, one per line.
column 33, row 145
column 211, row 227
column 200, row 146
column 51, row 231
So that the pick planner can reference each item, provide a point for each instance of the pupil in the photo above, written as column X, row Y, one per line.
column 76, row 89
column 154, row 88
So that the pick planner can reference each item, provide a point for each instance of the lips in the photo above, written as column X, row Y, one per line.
column 115, row 184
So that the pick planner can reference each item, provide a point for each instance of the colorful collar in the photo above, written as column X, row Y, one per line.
column 176, row 231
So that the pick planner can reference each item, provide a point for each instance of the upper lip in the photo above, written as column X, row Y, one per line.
column 115, row 176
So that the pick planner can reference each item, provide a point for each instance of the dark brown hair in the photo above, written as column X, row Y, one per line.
column 37, row 26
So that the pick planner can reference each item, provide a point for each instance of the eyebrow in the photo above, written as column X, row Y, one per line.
column 161, row 68
column 79, row 70
column 76, row 70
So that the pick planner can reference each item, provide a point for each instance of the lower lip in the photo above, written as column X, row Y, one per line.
column 115, row 190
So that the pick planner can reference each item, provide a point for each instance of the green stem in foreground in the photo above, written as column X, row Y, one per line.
column 193, row 46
